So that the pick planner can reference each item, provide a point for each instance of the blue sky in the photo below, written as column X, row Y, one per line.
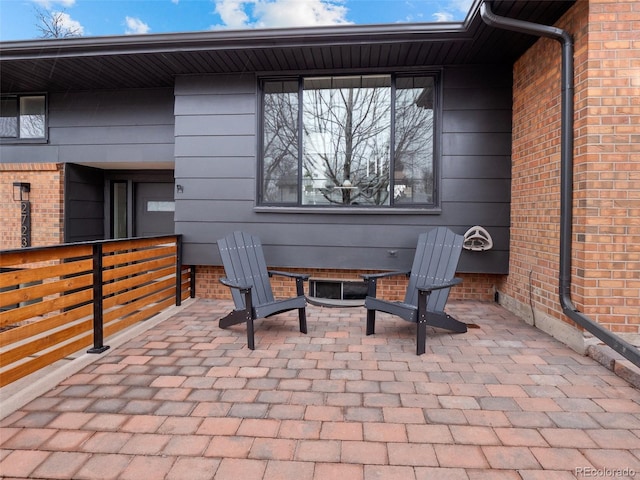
column 18, row 18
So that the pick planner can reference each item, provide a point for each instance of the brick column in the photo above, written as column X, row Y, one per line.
column 47, row 203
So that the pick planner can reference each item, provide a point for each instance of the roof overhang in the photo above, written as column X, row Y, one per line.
column 143, row 61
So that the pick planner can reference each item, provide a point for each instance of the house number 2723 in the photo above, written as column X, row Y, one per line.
column 25, row 223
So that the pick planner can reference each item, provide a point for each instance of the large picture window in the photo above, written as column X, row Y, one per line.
column 348, row 141
column 22, row 117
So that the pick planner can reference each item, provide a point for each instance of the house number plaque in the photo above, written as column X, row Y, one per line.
column 25, row 223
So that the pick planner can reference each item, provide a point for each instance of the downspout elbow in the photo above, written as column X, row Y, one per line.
column 535, row 29
column 522, row 26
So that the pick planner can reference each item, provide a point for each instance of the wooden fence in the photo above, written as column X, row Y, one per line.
column 57, row 300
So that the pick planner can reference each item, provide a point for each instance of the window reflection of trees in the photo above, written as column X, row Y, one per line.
column 31, row 126
column 32, row 117
column 22, row 117
column 347, row 136
column 414, row 133
column 280, row 142
column 346, row 141
column 8, row 117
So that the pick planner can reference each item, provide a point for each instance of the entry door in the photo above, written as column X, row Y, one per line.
column 155, row 207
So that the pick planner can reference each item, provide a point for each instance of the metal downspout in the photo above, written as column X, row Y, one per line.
column 566, row 175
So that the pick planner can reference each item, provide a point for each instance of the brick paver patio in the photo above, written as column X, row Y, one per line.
column 186, row 400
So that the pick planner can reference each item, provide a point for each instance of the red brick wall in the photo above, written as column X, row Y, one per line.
column 609, row 178
column 474, row 286
column 47, row 203
column 606, row 233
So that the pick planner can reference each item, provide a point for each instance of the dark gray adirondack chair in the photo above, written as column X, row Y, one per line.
column 430, row 279
column 247, row 276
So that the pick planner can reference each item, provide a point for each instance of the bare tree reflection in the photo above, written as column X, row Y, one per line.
column 346, row 141
column 347, row 137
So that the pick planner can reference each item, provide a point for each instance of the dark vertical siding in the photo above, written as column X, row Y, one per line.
column 216, row 162
column 83, row 204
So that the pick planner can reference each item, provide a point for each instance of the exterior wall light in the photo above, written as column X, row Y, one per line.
column 21, row 191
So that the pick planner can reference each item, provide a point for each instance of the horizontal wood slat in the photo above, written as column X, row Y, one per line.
column 44, row 360
column 46, row 307
column 123, row 300
column 138, row 316
column 137, row 256
column 48, row 296
column 119, row 272
column 120, row 245
column 138, row 280
column 15, row 258
column 40, row 326
column 39, row 291
column 28, row 275
column 42, row 343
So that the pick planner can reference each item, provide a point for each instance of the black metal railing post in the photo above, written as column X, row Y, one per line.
column 178, row 270
column 192, row 281
column 98, row 326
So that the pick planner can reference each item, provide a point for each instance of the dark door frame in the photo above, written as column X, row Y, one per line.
column 131, row 177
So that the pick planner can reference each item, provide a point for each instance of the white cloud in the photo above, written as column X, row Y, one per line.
column 280, row 13
column 443, row 16
column 232, row 13
column 290, row 13
column 135, row 26
column 67, row 23
column 447, row 15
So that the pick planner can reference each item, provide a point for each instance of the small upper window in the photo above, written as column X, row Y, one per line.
column 22, row 117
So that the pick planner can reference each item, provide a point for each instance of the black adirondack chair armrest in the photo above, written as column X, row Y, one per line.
column 440, row 286
column 371, row 276
column 302, row 276
column 231, row 284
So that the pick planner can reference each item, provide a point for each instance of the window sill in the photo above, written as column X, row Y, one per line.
column 23, row 141
column 350, row 210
